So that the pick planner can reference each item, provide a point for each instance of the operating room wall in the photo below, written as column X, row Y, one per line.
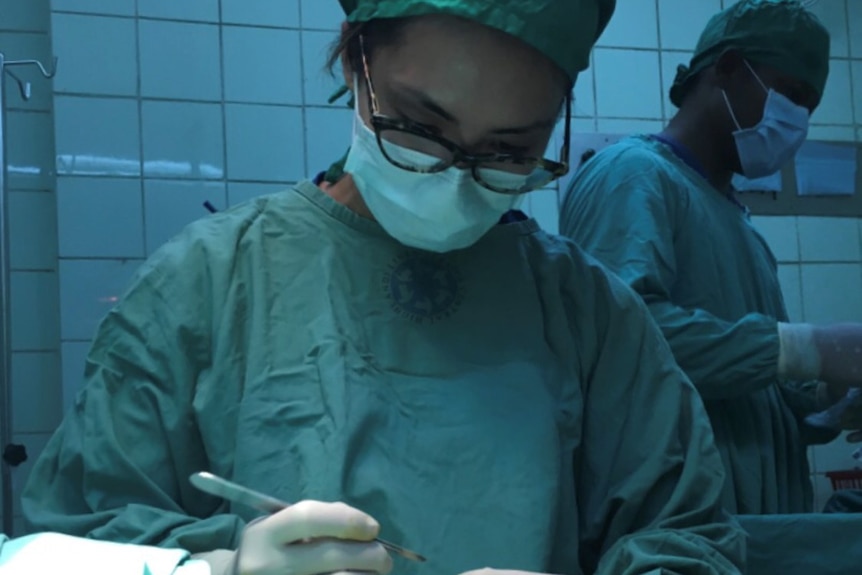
column 31, row 204
column 161, row 105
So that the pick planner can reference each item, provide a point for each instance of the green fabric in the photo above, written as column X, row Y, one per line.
column 780, row 34
column 711, row 283
column 825, row 544
column 475, row 402
column 563, row 30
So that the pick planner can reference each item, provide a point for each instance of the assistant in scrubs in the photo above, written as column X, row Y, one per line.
column 398, row 339
column 660, row 212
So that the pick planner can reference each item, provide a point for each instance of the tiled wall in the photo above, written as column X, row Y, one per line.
column 161, row 105
column 35, row 336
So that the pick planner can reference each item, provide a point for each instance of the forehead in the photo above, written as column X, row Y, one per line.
column 464, row 60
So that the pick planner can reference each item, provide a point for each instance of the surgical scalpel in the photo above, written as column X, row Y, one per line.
column 215, row 485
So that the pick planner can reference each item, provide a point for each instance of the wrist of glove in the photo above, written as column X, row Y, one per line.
column 832, row 354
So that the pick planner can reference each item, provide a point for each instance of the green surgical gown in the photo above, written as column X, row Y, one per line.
column 711, row 283
column 508, row 405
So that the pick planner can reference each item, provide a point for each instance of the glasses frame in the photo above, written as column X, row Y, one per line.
column 381, row 123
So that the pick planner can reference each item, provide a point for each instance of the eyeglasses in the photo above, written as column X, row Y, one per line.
column 412, row 147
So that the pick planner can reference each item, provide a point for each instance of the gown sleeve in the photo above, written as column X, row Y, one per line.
column 620, row 210
column 649, row 478
column 117, row 468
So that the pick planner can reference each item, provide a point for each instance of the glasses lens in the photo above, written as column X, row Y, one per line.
column 513, row 178
column 414, row 152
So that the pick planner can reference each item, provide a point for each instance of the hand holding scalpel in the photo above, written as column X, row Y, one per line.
column 215, row 485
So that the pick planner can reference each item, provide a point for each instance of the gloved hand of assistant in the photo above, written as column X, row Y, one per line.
column 840, row 350
column 312, row 538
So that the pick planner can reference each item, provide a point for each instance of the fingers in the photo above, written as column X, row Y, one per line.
column 316, row 520
column 331, row 556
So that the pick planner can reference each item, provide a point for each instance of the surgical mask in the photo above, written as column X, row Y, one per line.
column 765, row 147
column 437, row 212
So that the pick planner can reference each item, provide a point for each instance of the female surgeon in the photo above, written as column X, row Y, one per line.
column 400, row 340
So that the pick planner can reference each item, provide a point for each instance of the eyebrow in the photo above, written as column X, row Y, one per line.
column 428, row 103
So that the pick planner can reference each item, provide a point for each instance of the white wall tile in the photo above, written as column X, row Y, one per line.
column 117, row 7
column 682, row 21
column 328, row 137
column 833, row 14
column 172, row 205
column 34, row 443
column 634, row 25
column 179, row 60
column 856, row 74
column 279, row 13
column 781, row 234
column 88, row 290
column 27, row 15
column 32, row 231
column 36, row 393
column 830, row 292
column 265, row 143
column 183, row 140
column 34, row 321
column 199, row 10
column 620, row 74
column 97, row 56
column 74, row 357
column 854, row 24
column 829, row 240
column 832, row 133
column 97, row 137
column 320, row 14
column 584, row 103
column 29, row 161
column 249, row 54
column 790, row 279
column 319, row 84
column 836, row 107
column 100, row 217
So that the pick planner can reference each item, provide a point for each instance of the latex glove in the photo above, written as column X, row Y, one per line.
column 312, row 538
column 851, row 420
column 840, row 350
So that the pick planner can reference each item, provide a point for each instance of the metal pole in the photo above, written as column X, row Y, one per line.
column 5, row 310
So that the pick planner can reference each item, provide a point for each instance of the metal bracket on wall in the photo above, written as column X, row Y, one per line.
column 13, row 454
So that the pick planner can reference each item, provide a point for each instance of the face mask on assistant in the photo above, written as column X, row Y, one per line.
column 768, row 145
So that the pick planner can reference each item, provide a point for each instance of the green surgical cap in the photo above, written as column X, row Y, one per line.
column 780, row 34
column 563, row 30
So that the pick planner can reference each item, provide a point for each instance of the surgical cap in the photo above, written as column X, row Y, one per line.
column 563, row 30
column 780, row 34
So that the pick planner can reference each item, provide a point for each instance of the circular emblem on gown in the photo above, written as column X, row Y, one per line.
column 423, row 287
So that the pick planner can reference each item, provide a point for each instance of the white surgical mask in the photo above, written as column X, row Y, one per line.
column 438, row 212
column 765, row 147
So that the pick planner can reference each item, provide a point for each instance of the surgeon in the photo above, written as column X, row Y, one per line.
column 399, row 349
column 660, row 212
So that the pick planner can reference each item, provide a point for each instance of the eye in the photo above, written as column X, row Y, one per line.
column 511, row 149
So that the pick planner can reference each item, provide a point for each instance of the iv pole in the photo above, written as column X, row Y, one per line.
column 5, row 296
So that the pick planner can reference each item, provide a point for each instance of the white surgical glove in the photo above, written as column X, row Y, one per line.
column 312, row 538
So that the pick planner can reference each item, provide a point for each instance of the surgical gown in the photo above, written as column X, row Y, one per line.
column 711, row 283
column 508, row 405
